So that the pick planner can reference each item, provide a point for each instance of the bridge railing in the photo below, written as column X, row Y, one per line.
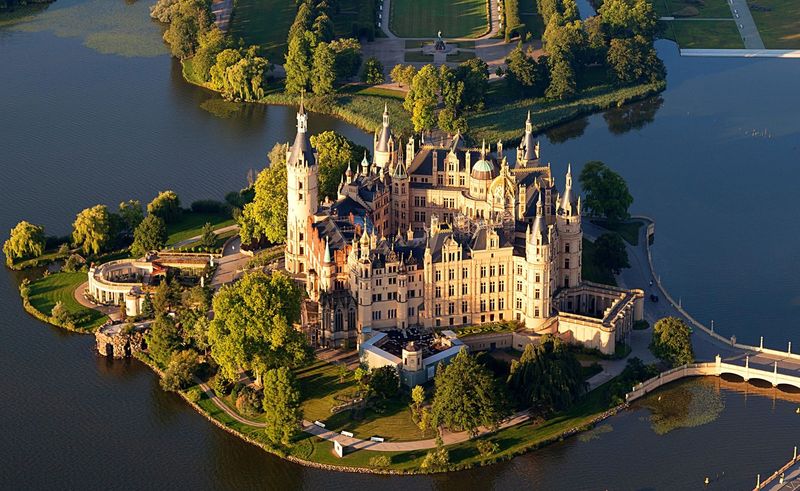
column 727, row 341
column 663, row 378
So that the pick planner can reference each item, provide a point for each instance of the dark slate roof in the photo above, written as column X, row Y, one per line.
column 383, row 140
column 302, row 146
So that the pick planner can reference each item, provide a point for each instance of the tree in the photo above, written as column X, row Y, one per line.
column 611, row 253
column 281, row 405
column 436, row 459
column 252, row 326
column 187, row 20
column 361, row 376
column 628, row 18
column 418, row 396
column 403, row 74
column 147, row 306
column 131, row 214
column 384, row 382
column 525, row 74
column 606, row 192
column 167, row 297
column 180, row 370
column 60, row 313
column 562, row 80
column 91, row 229
column 265, row 216
column 672, row 341
column 208, row 238
column 25, row 240
column 634, row 59
column 210, row 43
column 334, row 154
column 467, row 396
column 166, row 206
column 373, row 72
column 298, row 63
column 474, row 73
column 547, row 376
column 163, row 339
column 150, row 235
column 323, row 28
column 219, row 71
column 347, row 52
column 324, row 72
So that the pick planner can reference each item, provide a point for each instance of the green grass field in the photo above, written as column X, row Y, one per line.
column 778, row 22
column 46, row 291
column 706, row 9
column 461, row 56
column 265, row 23
column 191, row 224
column 417, row 56
column 455, row 18
column 709, row 34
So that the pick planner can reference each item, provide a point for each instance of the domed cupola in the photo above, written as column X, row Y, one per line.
column 484, row 169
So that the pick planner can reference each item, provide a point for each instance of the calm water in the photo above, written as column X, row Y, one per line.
column 92, row 110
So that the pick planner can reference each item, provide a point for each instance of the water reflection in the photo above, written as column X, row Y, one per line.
column 567, row 131
column 633, row 116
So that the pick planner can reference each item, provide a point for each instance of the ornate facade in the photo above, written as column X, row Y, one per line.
column 443, row 236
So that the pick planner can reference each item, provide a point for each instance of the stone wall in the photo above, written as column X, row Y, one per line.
column 117, row 343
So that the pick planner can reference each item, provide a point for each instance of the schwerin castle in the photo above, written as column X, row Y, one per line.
column 444, row 236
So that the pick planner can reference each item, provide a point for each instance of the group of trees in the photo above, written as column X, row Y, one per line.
column 315, row 61
column 265, row 216
column 620, row 38
column 237, row 73
column 26, row 240
column 605, row 192
column 461, row 90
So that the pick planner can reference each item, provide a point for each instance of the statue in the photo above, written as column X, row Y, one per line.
column 439, row 45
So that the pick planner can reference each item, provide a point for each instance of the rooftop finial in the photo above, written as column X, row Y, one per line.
column 302, row 119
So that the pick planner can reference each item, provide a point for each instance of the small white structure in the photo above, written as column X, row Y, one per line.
column 338, row 449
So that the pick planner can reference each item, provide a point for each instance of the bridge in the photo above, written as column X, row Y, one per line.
column 716, row 368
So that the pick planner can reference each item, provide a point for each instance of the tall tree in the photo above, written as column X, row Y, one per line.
column 610, row 252
column 384, row 382
column 524, row 74
column 25, row 240
column 606, row 192
column 163, row 339
column 634, row 59
column 672, row 341
column 467, row 396
column 324, row 71
column 334, row 154
column 403, row 74
column 210, row 44
column 166, row 206
column 265, row 216
column 282, row 410
column 373, row 72
column 208, row 238
column 252, row 326
column 298, row 63
column 422, row 98
column 348, row 57
column 150, row 235
column 562, row 80
column 547, row 376
column 91, row 230
column 131, row 214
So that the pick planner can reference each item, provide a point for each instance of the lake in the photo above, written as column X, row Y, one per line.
column 94, row 111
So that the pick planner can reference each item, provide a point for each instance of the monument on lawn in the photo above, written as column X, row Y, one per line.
column 439, row 45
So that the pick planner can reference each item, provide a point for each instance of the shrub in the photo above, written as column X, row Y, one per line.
column 487, row 448
column 249, row 401
column 380, row 461
column 221, row 385
column 60, row 313
column 436, row 459
column 180, row 371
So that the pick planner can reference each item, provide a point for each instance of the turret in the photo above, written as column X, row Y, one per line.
column 528, row 150
column 365, row 165
column 302, row 175
column 384, row 144
column 568, row 223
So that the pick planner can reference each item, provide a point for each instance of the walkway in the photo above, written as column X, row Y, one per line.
column 743, row 53
column 112, row 311
column 745, row 24
column 185, row 242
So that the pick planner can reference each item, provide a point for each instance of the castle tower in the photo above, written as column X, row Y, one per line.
column 412, row 357
column 568, row 223
column 384, row 143
column 402, row 296
column 538, row 259
column 528, row 150
column 363, row 280
column 401, row 204
column 302, row 188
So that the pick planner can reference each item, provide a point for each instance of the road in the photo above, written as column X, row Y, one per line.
column 745, row 24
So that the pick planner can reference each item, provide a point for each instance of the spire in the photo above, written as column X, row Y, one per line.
column 483, row 150
column 365, row 164
column 385, row 114
column 528, row 125
column 301, row 150
column 302, row 119
column 539, row 224
column 567, row 199
column 327, row 259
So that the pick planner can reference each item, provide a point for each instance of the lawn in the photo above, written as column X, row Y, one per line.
column 461, row 56
column 417, row 56
column 696, row 9
column 191, row 224
column 455, row 18
column 778, row 22
column 590, row 270
column 707, row 34
column 629, row 231
column 504, row 116
column 46, row 291
column 321, row 390
column 377, row 91
column 265, row 23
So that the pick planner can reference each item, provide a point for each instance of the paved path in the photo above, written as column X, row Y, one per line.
column 745, row 24
column 185, row 242
column 743, row 53
column 112, row 311
column 230, row 267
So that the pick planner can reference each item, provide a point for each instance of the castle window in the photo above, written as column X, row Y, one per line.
column 450, row 181
column 519, row 286
column 537, row 294
column 483, row 288
column 502, row 269
column 438, row 322
column 566, row 281
column 492, row 270
column 464, row 289
column 501, row 304
column 300, row 185
column 536, row 312
column 501, row 286
column 464, row 273
column 411, row 293
column 538, row 278
column 491, row 305
column 439, row 180
column 483, row 271
column 451, row 274
column 451, row 290
column 438, row 309
column 301, row 236
column 566, row 247
column 566, row 263
column 483, row 308
column 464, row 307
column 491, row 287
column 519, row 270
column 461, row 180
column 438, row 292
column 438, row 275
column 451, row 308
column 391, row 314
column 411, row 311
column 338, row 321
column 519, row 303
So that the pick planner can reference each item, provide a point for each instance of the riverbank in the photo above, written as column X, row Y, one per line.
column 496, row 122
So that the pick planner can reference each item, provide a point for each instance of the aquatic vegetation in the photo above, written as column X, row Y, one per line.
column 684, row 405
column 595, row 433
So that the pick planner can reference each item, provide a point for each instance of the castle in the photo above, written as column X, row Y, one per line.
column 442, row 236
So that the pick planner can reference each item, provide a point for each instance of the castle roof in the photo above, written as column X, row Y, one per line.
column 484, row 170
column 301, row 150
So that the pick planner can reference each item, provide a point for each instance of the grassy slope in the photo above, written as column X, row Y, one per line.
column 780, row 26
column 191, row 225
column 502, row 120
column 46, row 291
column 464, row 18
column 265, row 23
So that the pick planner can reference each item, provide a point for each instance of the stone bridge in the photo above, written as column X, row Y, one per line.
column 717, row 368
